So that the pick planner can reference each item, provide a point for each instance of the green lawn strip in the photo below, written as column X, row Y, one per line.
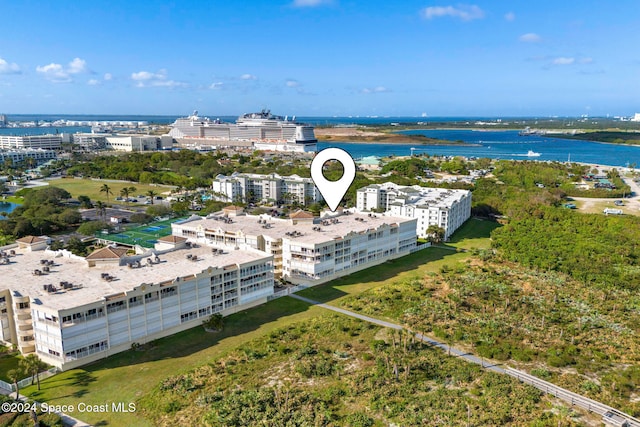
column 8, row 362
column 127, row 376
column 473, row 234
column 13, row 199
column 91, row 188
column 410, row 266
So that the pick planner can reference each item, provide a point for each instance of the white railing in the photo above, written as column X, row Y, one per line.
column 27, row 381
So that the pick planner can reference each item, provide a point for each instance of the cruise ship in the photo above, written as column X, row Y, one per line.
column 262, row 131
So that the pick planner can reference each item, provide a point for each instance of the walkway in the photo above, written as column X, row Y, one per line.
column 544, row 386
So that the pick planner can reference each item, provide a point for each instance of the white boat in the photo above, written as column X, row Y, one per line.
column 532, row 154
column 263, row 131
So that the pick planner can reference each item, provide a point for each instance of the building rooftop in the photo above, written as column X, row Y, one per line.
column 30, row 239
column 318, row 231
column 88, row 283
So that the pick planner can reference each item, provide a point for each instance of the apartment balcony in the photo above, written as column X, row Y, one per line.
column 24, row 322
column 26, row 348
column 25, row 332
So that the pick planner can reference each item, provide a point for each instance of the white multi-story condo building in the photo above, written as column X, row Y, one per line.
column 246, row 187
column 48, row 142
column 448, row 209
column 307, row 249
column 18, row 156
column 107, row 141
column 71, row 310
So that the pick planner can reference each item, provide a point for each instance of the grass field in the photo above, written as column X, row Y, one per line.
column 143, row 235
column 8, row 362
column 91, row 188
column 126, row 377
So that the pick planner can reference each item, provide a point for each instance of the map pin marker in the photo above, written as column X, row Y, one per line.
column 333, row 191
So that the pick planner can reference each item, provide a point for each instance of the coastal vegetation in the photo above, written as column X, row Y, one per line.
column 332, row 370
column 509, row 313
column 611, row 137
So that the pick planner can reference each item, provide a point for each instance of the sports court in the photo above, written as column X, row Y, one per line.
column 143, row 235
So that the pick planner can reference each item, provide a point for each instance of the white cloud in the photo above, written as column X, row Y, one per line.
column 377, row 89
column 159, row 79
column 530, row 38
column 77, row 66
column 292, row 83
column 563, row 60
column 54, row 72
column 216, row 85
column 586, row 60
column 310, row 3
column 9, row 67
column 463, row 12
column 107, row 77
column 248, row 77
column 59, row 74
column 93, row 82
column 510, row 16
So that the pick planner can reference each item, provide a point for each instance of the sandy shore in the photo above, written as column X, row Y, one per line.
column 341, row 134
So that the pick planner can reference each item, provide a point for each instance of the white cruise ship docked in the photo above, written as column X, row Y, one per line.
column 263, row 131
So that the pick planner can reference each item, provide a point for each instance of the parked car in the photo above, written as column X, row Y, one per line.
column 618, row 203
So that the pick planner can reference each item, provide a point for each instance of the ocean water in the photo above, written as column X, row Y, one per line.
column 501, row 145
column 486, row 143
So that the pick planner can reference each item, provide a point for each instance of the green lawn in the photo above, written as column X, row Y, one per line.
column 91, row 188
column 127, row 376
column 13, row 199
column 473, row 234
column 8, row 362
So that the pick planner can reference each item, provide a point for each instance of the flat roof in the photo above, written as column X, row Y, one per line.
column 278, row 228
column 18, row 275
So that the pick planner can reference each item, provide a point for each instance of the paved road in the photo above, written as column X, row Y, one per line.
column 544, row 386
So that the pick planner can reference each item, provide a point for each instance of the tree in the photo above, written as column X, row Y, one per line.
column 106, row 190
column 101, row 210
column 151, row 194
column 32, row 365
column 435, row 234
column 85, row 202
column 126, row 191
column 141, row 218
column 14, row 375
column 215, row 322
column 90, row 228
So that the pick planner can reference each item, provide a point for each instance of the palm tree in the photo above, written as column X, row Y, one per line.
column 151, row 194
column 32, row 365
column 14, row 376
column 106, row 190
column 101, row 209
column 125, row 193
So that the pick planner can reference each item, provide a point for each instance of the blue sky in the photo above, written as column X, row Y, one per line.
column 321, row 57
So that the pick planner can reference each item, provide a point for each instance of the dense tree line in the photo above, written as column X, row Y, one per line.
column 186, row 168
column 597, row 250
column 43, row 211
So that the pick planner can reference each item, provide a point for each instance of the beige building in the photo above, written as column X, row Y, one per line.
column 307, row 249
column 71, row 310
